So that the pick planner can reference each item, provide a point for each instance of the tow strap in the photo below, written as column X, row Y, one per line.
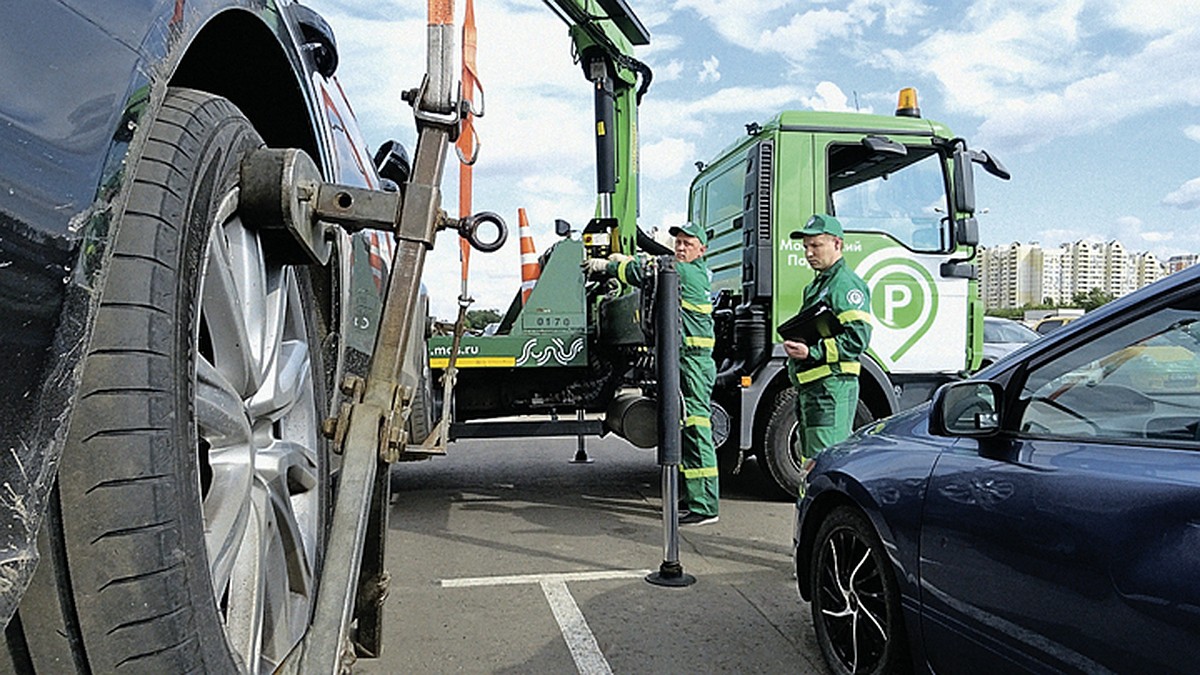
column 467, row 147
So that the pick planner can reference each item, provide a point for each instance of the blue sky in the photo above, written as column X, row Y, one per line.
column 1093, row 105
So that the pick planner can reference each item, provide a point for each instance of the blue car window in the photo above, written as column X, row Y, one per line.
column 1140, row 381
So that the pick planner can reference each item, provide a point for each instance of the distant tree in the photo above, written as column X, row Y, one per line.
column 478, row 319
column 1090, row 299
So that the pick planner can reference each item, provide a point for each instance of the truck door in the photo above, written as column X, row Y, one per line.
column 891, row 195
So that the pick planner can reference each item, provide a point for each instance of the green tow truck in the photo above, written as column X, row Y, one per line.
column 903, row 188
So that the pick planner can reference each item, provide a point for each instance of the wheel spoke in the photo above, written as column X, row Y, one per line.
column 222, row 312
column 285, row 382
column 874, row 621
column 220, row 414
column 253, row 283
column 247, row 585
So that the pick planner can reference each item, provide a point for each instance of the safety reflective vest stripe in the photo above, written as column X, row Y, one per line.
column 699, row 341
column 814, row 374
column 831, row 350
column 697, row 421
column 703, row 309
column 854, row 315
column 702, row 472
column 621, row 271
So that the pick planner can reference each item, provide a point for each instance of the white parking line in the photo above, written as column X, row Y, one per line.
column 465, row 582
column 589, row 660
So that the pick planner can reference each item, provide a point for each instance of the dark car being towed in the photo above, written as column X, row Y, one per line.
column 166, row 365
column 1042, row 516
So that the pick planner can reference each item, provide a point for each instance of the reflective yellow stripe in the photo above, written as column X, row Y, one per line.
column 702, row 472
column 621, row 270
column 697, row 421
column 475, row 362
column 706, row 308
column 854, row 315
column 814, row 374
column 831, row 350
column 691, row 341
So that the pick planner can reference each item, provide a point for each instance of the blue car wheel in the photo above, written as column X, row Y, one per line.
column 855, row 602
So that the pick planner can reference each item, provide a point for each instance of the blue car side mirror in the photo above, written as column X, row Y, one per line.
column 968, row 408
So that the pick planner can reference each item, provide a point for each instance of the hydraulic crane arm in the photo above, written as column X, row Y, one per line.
column 604, row 33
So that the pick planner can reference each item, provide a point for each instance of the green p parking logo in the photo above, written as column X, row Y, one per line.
column 903, row 297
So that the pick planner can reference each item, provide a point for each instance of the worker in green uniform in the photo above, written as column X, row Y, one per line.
column 697, row 371
column 825, row 374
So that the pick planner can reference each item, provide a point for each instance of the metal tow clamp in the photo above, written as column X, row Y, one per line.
column 285, row 197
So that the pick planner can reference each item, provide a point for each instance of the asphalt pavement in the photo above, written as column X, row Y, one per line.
column 506, row 557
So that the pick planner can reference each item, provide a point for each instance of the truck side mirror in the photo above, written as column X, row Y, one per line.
column 964, row 180
column 966, row 232
column 561, row 227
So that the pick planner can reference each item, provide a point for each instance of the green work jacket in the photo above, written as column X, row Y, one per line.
column 695, row 300
column 847, row 295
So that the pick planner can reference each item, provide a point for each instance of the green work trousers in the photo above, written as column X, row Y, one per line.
column 825, row 413
column 697, row 373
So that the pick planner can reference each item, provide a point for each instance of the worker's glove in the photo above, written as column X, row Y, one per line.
column 619, row 258
column 595, row 266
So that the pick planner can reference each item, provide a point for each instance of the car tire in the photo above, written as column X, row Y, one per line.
column 420, row 416
column 775, row 456
column 187, row 524
column 855, row 601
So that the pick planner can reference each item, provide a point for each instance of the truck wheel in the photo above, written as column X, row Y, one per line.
column 782, row 430
column 189, row 523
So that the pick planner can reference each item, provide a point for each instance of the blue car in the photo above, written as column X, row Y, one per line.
column 1042, row 516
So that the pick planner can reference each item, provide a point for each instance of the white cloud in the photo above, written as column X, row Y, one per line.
column 1038, row 72
column 1192, row 132
column 551, row 183
column 670, row 219
column 1133, row 233
column 737, row 21
column 670, row 72
column 1156, row 17
column 806, row 32
column 710, row 70
column 666, row 158
column 775, row 27
column 829, row 97
column 1186, row 197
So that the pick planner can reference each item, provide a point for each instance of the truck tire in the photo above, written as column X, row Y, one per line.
column 775, row 457
column 187, row 524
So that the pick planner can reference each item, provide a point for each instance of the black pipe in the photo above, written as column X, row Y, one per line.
column 666, row 363
column 670, row 422
column 606, row 145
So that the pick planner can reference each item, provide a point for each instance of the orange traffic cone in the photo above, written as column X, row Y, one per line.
column 530, row 270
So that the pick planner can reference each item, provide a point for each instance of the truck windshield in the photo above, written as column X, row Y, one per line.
column 904, row 197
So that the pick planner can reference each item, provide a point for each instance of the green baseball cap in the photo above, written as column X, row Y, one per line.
column 820, row 224
column 691, row 229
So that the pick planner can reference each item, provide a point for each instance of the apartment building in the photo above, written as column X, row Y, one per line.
column 1015, row 275
column 1178, row 262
